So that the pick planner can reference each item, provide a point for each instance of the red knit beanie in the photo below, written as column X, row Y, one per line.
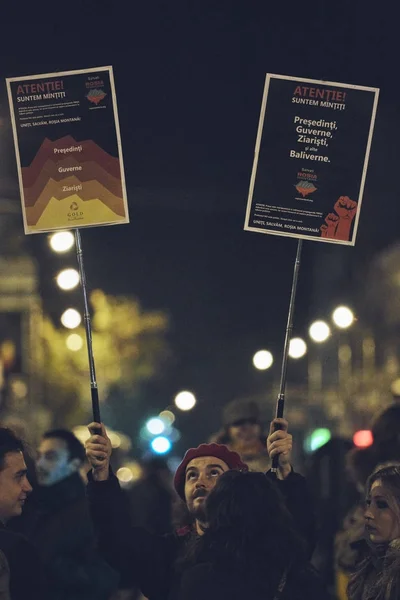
column 232, row 459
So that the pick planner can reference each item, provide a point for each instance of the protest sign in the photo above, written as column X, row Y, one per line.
column 68, row 149
column 311, row 159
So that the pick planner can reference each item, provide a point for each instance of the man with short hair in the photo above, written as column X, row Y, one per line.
column 152, row 562
column 59, row 457
column 59, row 523
column 26, row 572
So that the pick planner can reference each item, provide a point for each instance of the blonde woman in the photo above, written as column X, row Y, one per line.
column 377, row 576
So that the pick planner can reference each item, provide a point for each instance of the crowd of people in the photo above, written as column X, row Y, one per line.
column 244, row 531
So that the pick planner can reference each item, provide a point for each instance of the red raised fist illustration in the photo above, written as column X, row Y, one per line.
column 346, row 208
column 324, row 231
column 338, row 224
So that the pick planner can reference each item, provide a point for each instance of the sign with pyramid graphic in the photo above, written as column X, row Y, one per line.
column 68, row 150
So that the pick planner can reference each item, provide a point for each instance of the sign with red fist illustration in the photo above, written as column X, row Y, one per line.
column 68, row 149
column 311, row 158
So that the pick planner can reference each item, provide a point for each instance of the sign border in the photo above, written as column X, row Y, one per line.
column 110, row 71
column 268, row 78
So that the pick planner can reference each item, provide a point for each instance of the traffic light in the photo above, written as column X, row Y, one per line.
column 363, row 438
column 161, row 445
column 316, row 439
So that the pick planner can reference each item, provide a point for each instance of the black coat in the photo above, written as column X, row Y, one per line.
column 27, row 578
column 204, row 581
column 149, row 561
column 58, row 524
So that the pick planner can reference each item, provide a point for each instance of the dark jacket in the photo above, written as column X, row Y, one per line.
column 149, row 561
column 27, row 578
column 206, row 581
column 58, row 524
column 151, row 505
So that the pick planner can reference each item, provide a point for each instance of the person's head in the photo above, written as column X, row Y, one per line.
column 246, row 513
column 382, row 514
column 241, row 420
column 60, row 454
column 360, row 462
column 14, row 484
column 198, row 473
column 386, row 434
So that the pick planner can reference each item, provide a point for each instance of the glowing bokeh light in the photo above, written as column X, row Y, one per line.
column 62, row 241
column 263, row 360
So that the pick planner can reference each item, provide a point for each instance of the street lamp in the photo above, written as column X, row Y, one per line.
column 297, row 348
column 185, row 400
column 343, row 317
column 71, row 318
column 319, row 331
column 74, row 342
column 167, row 416
column 161, row 445
column 62, row 241
column 67, row 279
column 155, row 426
column 263, row 360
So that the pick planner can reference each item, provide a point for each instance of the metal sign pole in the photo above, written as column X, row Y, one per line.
column 280, row 405
column 88, row 329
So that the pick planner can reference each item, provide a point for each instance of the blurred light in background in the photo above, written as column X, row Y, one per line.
column 71, row 318
column 174, row 434
column 167, row 416
column 81, row 432
column 363, row 438
column 395, row 387
column 117, row 438
column 319, row 331
column 155, row 426
column 68, row 279
column 318, row 438
column 263, row 360
column 74, row 342
column 297, row 348
column 161, row 445
column 19, row 388
column 62, row 241
column 114, row 439
column 124, row 474
column 343, row 317
column 185, row 400
column 128, row 473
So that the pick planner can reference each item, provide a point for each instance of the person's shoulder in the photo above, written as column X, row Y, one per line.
column 16, row 547
column 306, row 578
column 205, row 580
column 201, row 576
column 11, row 539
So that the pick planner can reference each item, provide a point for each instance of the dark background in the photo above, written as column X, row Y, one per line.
column 189, row 80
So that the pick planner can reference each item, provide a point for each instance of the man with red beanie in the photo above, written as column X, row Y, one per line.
column 149, row 561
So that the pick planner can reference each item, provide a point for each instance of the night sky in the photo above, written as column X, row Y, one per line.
column 189, row 80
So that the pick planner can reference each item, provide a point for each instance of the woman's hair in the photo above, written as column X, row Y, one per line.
column 389, row 476
column 248, row 524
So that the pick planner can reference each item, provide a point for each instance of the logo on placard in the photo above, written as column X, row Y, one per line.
column 96, row 96
column 74, row 213
column 305, row 187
